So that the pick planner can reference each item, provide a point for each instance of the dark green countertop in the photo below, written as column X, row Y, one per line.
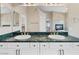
column 43, row 38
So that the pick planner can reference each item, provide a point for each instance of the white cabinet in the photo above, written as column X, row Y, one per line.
column 71, row 49
column 46, row 48
column 7, row 49
column 29, row 48
column 55, row 48
column 51, row 48
column 59, row 48
column 3, row 49
column 42, row 48
column 23, row 48
column 34, row 48
column 12, row 48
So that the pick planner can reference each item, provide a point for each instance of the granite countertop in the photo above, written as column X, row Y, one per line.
column 44, row 38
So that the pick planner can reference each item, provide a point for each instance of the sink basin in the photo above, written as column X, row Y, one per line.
column 22, row 37
column 57, row 37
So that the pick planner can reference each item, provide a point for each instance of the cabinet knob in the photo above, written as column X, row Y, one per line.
column 1, row 45
column 61, row 45
column 59, row 51
column 63, row 52
column 17, row 45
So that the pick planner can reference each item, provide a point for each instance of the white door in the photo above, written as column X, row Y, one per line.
column 31, row 49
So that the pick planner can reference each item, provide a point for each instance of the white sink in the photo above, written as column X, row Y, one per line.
column 22, row 37
column 57, row 37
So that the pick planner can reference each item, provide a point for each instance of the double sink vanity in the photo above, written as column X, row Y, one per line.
column 40, row 45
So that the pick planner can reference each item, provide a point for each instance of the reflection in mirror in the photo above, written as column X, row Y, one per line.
column 6, row 17
column 0, row 20
column 44, row 18
column 15, row 19
column 9, row 17
column 9, row 22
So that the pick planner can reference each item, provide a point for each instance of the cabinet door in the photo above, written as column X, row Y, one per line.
column 23, row 48
column 49, row 48
column 55, row 48
column 71, row 49
column 12, row 47
column 3, row 49
column 31, row 49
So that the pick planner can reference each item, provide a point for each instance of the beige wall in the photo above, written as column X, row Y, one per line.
column 73, row 20
column 57, row 15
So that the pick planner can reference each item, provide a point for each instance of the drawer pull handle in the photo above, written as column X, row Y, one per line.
column 18, row 52
column 34, row 45
column 44, row 45
column 77, row 45
column 1, row 45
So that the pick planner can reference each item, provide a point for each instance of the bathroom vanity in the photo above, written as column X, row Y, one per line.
column 40, row 45
column 39, row 48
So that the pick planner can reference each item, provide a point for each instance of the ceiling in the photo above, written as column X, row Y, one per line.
column 54, row 9
column 44, row 7
column 49, row 7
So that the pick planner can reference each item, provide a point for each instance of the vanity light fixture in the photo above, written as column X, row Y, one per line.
column 42, row 4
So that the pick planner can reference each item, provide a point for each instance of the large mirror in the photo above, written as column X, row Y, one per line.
column 46, row 18
column 37, row 18
column 9, row 20
column 15, row 18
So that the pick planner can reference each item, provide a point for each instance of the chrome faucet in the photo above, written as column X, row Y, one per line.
column 55, row 32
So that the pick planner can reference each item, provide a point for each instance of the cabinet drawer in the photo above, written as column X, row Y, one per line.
column 11, row 51
column 12, row 45
column 33, row 45
column 23, row 45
